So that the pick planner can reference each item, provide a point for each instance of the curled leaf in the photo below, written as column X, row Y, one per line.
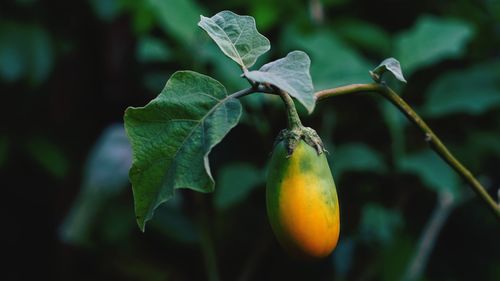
column 392, row 65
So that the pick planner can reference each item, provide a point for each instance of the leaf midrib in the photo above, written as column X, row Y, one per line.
column 221, row 102
column 229, row 39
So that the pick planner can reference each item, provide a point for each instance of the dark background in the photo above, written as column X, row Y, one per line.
column 68, row 70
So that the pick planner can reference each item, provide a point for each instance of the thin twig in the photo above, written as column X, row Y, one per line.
column 258, row 88
column 417, row 265
column 430, row 137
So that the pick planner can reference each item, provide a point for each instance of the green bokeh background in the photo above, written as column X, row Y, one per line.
column 68, row 70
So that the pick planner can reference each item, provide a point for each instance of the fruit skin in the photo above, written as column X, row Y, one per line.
column 302, row 201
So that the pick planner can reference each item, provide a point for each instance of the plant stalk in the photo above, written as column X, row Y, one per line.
column 430, row 137
column 258, row 88
column 293, row 117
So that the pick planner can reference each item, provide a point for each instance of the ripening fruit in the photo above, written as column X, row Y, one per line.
column 302, row 202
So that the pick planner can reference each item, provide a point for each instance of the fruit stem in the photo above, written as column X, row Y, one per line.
column 433, row 140
column 293, row 117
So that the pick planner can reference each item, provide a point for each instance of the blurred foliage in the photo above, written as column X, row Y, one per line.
column 472, row 91
column 48, row 155
column 357, row 157
column 26, row 52
column 379, row 224
column 68, row 69
column 247, row 177
column 430, row 41
column 436, row 174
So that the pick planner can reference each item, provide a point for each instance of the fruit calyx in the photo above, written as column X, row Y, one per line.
column 292, row 137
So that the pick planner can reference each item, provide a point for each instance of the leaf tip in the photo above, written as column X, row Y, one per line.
column 310, row 107
column 390, row 64
column 141, row 223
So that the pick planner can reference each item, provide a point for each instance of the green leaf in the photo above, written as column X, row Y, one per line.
column 432, row 170
column 172, row 136
column 392, row 65
column 356, row 157
column 432, row 40
column 474, row 91
column 49, row 156
column 236, row 36
column 236, row 181
column 290, row 74
column 177, row 17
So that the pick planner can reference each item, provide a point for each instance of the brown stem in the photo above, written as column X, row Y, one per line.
column 430, row 137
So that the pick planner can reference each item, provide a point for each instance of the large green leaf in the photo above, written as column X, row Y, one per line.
column 172, row 136
column 430, row 41
column 290, row 74
column 236, row 36
column 472, row 91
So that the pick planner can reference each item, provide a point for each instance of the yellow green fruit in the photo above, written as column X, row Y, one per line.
column 302, row 201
